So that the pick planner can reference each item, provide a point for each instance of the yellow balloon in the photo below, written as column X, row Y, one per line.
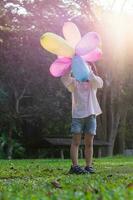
column 56, row 45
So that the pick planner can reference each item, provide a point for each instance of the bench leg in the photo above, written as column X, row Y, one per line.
column 81, row 153
column 62, row 154
column 99, row 152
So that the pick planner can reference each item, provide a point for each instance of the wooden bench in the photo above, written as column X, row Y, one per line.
column 63, row 142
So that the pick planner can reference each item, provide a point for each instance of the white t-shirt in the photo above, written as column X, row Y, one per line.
column 84, row 100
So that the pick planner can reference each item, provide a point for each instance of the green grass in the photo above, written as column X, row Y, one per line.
column 49, row 180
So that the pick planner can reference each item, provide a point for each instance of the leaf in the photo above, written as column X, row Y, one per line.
column 110, row 175
column 56, row 184
column 130, row 186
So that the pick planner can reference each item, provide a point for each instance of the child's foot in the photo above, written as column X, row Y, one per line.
column 90, row 170
column 77, row 170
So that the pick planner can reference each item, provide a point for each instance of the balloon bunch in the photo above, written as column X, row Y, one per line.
column 73, row 52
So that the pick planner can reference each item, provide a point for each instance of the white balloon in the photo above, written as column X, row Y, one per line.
column 71, row 33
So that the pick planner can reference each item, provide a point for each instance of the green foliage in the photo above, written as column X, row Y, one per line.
column 3, row 95
column 17, row 149
column 49, row 180
column 3, row 144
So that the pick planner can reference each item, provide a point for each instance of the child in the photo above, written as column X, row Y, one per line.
column 85, row 108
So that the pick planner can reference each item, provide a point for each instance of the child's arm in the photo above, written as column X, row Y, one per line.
column 96, row 81
column 69, row 82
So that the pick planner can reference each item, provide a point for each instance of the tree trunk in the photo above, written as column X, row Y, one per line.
column 10, row 147
column 121, row 135
column 18, row 98
column 113, row 135
column 104, row 114
column 113, row 113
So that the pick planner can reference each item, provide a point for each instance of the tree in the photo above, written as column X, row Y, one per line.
column 117, row 59
column 34, row 97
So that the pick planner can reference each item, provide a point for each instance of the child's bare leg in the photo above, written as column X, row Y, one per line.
column 74, row 148
column 88, row 140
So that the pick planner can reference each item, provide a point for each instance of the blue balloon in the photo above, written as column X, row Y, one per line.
column 80, row 69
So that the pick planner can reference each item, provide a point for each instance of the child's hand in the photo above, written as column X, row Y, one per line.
column 71, row 88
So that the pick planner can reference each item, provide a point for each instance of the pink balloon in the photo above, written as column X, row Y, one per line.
column 71, row 33
column 64, row 59
column 60, row 66
column 93, row 56
column 88, row 42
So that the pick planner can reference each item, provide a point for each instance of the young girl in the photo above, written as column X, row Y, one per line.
column 85, row 108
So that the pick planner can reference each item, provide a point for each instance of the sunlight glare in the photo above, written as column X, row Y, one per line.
column 118, row 6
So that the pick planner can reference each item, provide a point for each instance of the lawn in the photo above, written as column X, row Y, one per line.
column 49, row 180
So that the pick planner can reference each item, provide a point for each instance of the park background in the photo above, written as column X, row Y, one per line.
column 33, row 104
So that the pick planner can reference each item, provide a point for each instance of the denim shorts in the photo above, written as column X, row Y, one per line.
column 84, row 125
